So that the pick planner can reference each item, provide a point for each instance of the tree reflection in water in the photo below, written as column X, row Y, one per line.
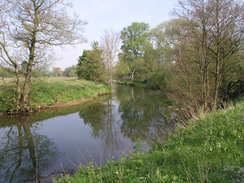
column 24, row 154
column 102, row 119
column 145, row 115
column 105, row 129
column 141, row 115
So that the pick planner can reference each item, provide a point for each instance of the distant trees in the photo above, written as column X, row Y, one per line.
column 197, row 57
column 57, row 72
column 70, row 71
column 97, row 64
column 30, row 28
column 90, row 65
column 142, row 56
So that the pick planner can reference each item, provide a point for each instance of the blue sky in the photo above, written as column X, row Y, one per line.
column 113, row 15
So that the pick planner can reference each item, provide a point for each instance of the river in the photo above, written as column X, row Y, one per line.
column 40, row 146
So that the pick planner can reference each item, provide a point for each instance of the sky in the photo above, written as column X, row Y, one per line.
column 111, row 15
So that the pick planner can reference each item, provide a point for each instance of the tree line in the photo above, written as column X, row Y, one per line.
column 196, row 58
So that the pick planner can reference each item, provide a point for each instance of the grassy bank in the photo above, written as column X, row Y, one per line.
column 51, row 91
column 210, row 149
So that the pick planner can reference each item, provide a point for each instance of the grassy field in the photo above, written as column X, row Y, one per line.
column 49, row 91
column 210, row 149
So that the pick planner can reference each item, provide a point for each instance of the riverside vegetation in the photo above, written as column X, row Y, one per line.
column 47, row 92
column 195, row 60
column 210, row 149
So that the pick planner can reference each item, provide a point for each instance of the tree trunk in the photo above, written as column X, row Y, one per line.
column 132, row 75
column 217, row 69
column 25, row 91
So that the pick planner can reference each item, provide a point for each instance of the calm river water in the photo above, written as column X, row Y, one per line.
column 38, row 147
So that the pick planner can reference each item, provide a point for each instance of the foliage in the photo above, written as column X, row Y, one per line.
column 135, row 38
column 207, row 51
column 196, row 57
column 143, row 56
column 7, row 97
column 234, row 90
column 121, row 71
column 70, row 71
column 209, row 150
column 90, row 65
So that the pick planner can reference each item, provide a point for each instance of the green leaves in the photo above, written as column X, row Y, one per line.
column 90, row 65
column 134, row 39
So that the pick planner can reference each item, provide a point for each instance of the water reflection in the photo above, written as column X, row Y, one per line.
column 145, row 115
column 24, row 153
column 36, row 147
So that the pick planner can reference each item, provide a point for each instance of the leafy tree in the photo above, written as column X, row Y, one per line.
column 143, row 55
column 90, row 65
column 122, row 71
column 166, row 35
column 135, row 39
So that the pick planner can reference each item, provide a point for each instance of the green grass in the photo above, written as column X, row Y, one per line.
column 210, row 149
column 50, row 91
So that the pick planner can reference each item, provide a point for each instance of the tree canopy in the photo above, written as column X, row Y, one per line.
column 90, row 65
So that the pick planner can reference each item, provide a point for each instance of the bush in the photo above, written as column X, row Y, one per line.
column 7, row 98
column 233, row 90
column 157, row 80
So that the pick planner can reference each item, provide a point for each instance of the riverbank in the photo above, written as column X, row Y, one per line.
column 210, row 149
column 139, row 84
column 53, row 93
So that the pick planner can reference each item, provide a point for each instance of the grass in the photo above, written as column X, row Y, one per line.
column 47, row 92
column 210, row 149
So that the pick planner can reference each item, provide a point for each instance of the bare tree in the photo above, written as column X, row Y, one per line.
column 226, row 35
column 31, row 28
column 110, row 43
column 3, row 10
column 214, row 43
